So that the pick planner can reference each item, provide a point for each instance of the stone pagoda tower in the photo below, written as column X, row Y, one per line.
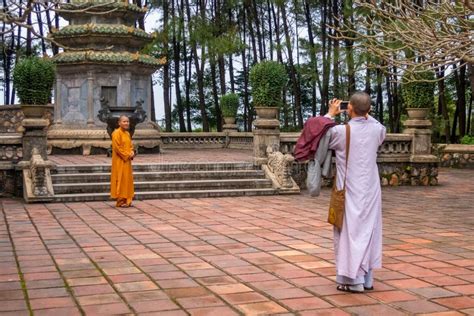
column 101, row 66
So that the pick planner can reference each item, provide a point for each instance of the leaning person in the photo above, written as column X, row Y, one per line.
column 358, row 245
column 121, row 178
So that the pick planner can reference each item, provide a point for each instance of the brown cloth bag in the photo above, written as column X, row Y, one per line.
column 337, row 205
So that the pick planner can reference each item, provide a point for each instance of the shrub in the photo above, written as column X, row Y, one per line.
column 229, row 105
column 418, row 89
column 33, row 79
column 467, row 140
column 267, row 79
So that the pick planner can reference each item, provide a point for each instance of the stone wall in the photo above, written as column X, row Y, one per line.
column 455, row 155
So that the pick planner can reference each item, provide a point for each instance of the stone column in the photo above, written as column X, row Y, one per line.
column 266, row 133
column 57, row 102
column 90, row 98
column 148, row 99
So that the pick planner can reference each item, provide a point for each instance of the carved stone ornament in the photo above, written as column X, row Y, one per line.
column 280, row 166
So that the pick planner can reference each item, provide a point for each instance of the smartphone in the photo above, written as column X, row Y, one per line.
column 343, row 105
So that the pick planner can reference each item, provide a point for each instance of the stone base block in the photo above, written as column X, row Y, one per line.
column 92, row 141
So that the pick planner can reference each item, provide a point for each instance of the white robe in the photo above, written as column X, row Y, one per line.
column 358, row 246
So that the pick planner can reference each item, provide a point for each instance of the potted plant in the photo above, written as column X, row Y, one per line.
column 267, row 80
column 418, row 93
column 229, row 107
column 33, row 79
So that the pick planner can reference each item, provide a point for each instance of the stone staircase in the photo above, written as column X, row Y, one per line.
column 78, row 183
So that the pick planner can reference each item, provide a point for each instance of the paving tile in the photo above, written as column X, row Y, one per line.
column 47, row 303
column 462, row 289
column 136, row 286
column 243, row 298
column 350, row 299
column 99, row 299
column 70, row 311
column 459, row 302
column 287, row 293
column 433, row 292
column 392, row 296
column 13, row 305
column 213, row 311
column 200, row 301
column 186, row 292
column 307, row 303
column 408, row 283
column 325, row 312
column 154, row 306
column 420, row 306
column 229, row 288
column 373, row 310
column 262, row 308
column 106, row 309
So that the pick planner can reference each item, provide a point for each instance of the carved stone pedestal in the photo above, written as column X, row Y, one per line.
column 421, row 157
column 266, row 134
column 35, row 167
column 34, row 136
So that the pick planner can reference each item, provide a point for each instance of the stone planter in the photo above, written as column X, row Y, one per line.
column 229, row 124
column 34, row 110
column 228, row 120
column 267, row 113
column 418, row 113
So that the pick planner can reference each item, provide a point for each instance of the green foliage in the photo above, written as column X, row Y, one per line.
column 267, row 79
column 418, row 89
column 467, row 140
column 33, row 79
column 229, row 105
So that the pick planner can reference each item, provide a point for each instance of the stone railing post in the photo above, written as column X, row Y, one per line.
column 37, row 182
column 424, row 164
column 421, row 140
column 266, row 133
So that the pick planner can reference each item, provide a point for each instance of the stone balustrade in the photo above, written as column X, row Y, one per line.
column 455, row 155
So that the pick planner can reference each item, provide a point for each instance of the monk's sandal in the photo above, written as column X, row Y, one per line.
column 350, row 288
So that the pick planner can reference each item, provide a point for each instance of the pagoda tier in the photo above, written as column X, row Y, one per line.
column 102, row 36
column 101, row 12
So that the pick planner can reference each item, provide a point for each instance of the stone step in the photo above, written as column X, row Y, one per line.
column 83, row 197
column 159, row 176
column 185, row 185
column 155, row 167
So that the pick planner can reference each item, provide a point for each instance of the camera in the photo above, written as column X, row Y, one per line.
column 343, row 105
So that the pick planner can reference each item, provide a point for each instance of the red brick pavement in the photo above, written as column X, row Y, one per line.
column 230, row 256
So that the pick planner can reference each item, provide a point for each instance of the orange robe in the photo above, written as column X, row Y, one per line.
column 121, row 178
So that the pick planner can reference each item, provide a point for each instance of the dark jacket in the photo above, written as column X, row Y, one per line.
column 313, row 130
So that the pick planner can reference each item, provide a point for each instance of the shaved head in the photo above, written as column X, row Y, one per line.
column 360, row 102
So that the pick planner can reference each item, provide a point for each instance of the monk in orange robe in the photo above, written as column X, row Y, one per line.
column 121, row 178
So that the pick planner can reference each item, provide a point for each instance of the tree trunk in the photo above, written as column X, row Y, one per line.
column 293, row 76
column 379, row 101
column 256, row 18
column 177, row 61
column 326, row 57
column 442, row 106
column 312, row 55
column 166, row 70
column 348, row 19
column 337, row 89
column 215, row 94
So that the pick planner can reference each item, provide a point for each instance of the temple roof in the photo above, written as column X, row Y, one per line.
column 99, row 6
column 107, row 57
column 103, row 29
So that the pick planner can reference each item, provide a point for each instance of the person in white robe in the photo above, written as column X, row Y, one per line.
column 358, row 245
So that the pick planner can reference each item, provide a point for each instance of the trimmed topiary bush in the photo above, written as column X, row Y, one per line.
column 267, row 79
column 229, row 105
column 33, row 79
column 418, row 89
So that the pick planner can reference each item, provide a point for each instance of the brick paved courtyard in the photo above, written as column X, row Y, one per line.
column 229, row 256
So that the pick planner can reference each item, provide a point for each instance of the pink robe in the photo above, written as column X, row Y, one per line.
column 358, row 246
